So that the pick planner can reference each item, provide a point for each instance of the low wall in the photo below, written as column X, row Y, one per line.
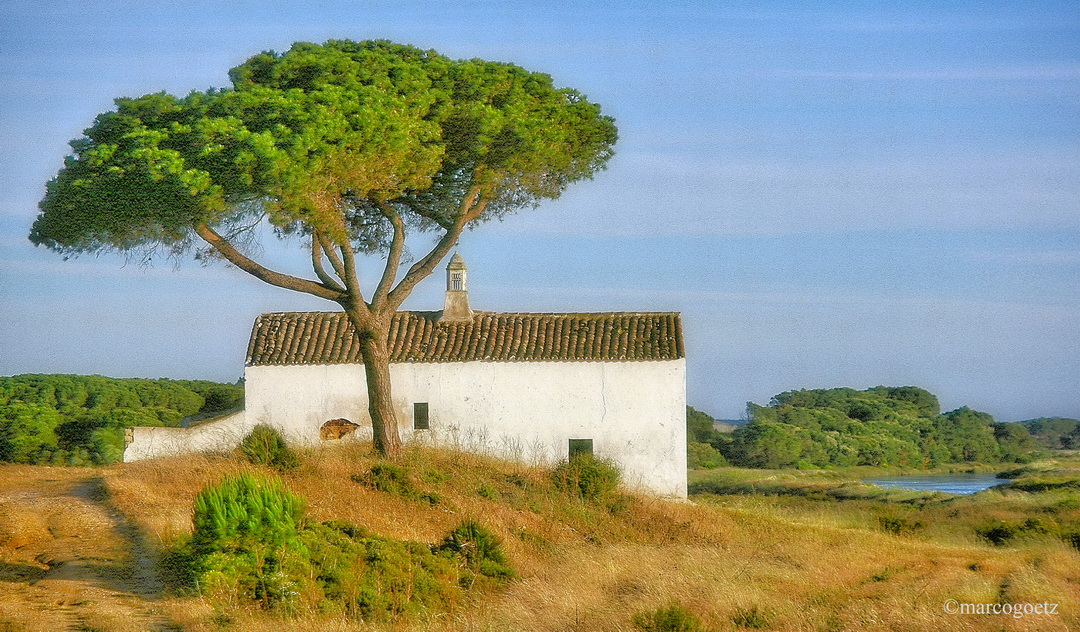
column 217, row 434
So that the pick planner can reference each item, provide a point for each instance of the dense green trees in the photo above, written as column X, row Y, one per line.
column 1055, row 433
column 703, row 441
column 352, row 146
column 80, row 419
column 881, row 426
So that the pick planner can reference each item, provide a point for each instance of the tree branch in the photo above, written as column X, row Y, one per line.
column 471, row 208
column 348, row 259
column 238, row 259
column 317, row 265
column 393, row 257
column 328, row 250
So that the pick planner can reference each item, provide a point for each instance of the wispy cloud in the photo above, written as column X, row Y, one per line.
column 843, row 300
column 1015, row 73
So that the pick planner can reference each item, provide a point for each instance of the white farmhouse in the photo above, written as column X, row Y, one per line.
column 522, row 386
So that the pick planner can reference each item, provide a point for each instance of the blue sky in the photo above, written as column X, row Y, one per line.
column 833, row 194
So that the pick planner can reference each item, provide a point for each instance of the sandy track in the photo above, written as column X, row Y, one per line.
column 70, row 561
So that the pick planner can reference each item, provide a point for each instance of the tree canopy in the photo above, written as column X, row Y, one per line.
column 353, row 146
column 881, row 426
column 340, row 141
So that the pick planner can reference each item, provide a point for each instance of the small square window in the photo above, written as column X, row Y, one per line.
column 420, row 416
column 580, row 447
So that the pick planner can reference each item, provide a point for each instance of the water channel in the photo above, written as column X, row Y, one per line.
column 948, row 483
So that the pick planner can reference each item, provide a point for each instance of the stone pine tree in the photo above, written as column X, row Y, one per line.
column 352, row 147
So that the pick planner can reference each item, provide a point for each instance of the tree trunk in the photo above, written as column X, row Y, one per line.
column 374, row 349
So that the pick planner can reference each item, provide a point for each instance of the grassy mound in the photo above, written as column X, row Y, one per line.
column 407, row 545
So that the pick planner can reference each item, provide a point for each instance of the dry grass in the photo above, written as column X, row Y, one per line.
column 593, row 566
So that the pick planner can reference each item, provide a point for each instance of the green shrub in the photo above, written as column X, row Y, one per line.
column 251, row 543
column 395, row 480
column 899, row 525
column 1000, row 533
column 586, row 476
column 246, row 534
column 703, row 455
column 389, row 478
column 1035, row 484
column 671, row 619
column 246, row 511
column 372, row 578
column 264, row 445
column 479, row 548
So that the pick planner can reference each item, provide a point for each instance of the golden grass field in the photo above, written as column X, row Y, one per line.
column 78, row 549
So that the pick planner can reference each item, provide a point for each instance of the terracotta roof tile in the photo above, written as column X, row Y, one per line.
column 328, row 338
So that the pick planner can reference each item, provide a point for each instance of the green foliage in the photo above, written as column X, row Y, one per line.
column 1044, row 482
column 252, row 544
column 701, row 428
column 480, row 549
column 881, row 426
column 80, row 419
column 246, row 512
column 705, row 446
column 398, row 481
column 703, row 455
column 1055, row 433
column 246, row 534
column 27, row 432
column 1002, row 532
column 674, row 618
column 264, row 445
column 325, row 137
column 899, row 525
column 587, row 477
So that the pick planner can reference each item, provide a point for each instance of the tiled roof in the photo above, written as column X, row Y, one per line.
column 328, row 338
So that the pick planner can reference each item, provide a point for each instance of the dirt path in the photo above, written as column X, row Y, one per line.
column 70, row 561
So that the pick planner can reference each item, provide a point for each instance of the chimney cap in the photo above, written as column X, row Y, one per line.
column 456, row 261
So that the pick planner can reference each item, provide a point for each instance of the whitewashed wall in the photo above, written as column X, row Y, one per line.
column 218, row 434
column 635, row 412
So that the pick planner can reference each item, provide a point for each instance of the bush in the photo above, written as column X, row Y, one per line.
column 899, row 525
column 252, row 544
column 479, row 548
column 586, row 476
column 703, row 455
column 1000, row 533
column 246, row 511
column 395, row 480
column 670, row 619
column 264, row 445
column 246, row 528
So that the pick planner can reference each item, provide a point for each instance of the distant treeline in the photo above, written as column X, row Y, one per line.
column 1055, row 433
column 882, row 426
column 80, row 419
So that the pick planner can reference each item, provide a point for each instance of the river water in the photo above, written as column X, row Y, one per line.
column 948, row 483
